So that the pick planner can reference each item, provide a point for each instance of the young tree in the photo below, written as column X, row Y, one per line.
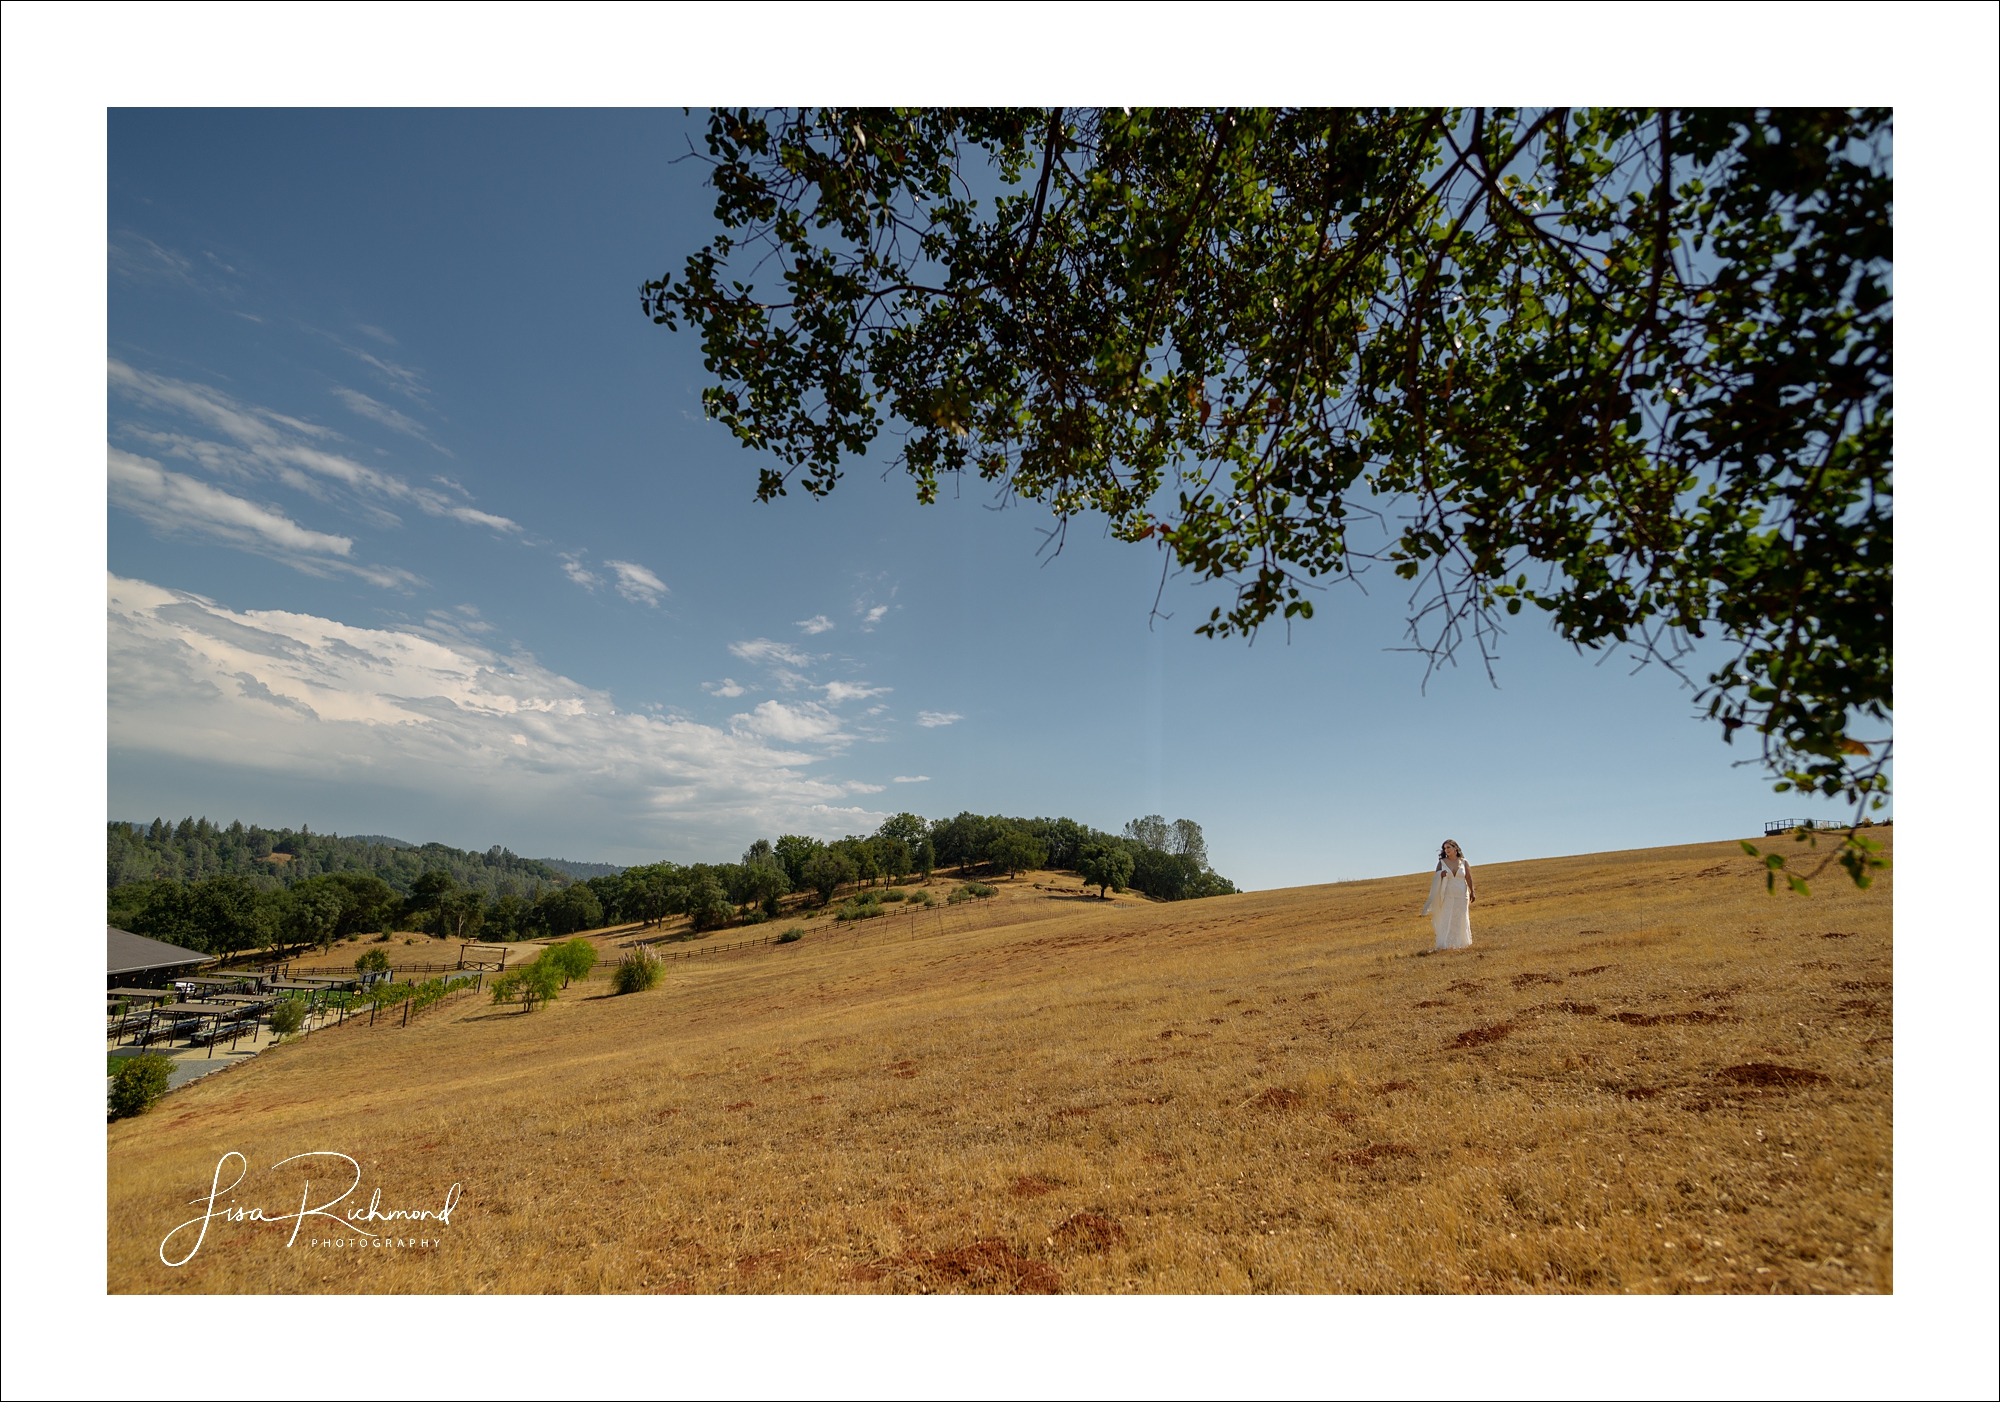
column 573, row 959
column 1106, row 866
column 1632, row 368
column 1186, row 840
column 1150, row 831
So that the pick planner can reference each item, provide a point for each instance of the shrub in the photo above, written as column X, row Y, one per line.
column 637, row 972
column 382, row 938
column 792, row 936
column 971, row 890
column 922, row 898
column 756, row 917
column 372, row 959
column 139, row 1082
column 894, row 895
column 860, row 908
column 288, row 1017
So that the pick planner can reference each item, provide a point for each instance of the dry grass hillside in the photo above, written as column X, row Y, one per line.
column 1647, row 1075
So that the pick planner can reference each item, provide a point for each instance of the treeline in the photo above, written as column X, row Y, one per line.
column 274, row 859
column 229, row 912
column 1168, row 861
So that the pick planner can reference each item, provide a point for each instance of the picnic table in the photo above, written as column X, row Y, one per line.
column 216, row 981
column 156, row 994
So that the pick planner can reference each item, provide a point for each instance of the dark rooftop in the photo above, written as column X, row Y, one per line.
column 127, row 953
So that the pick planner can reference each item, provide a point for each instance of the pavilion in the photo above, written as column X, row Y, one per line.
column 135, row 960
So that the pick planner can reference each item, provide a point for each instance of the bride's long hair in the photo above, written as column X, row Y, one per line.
column 1447, row 843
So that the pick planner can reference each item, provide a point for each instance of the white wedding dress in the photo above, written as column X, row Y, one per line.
column 1449, row 905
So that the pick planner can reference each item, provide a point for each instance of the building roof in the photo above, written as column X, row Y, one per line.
column 127, row 953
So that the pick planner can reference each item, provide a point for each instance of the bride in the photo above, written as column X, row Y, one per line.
column 1451, row 897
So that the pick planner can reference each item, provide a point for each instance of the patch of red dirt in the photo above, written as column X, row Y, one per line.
column 1764, row 1073
column 1586, row 973
column 815, row 1099
column 984, row 1265
column 1089, row 1232
column 1861, row 1007
column 1278, row 1098
column 1579, row 1009
column 1309, row 997
column 1368, row 1157
column 666, row 1114
column 1075, row 1112
column 751, row 1264
column 1526, row 980
column 1251, row 1012
column 1480, row 1036
column 1341, row 1117
column 1216, row 1020
column 1391, row 1087
column 902, row 1069
column 1820, row 964
column 739, row 1105
column 1858, row 985
column 1168, row 1035
column 1025, row 1187
column 1465, row 987
column 863, row 1274
column 1434, row 1003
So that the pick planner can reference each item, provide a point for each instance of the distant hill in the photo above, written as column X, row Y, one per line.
column 272, row 858
column 580, row 871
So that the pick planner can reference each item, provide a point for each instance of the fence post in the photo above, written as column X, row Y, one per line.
column 406, row 1010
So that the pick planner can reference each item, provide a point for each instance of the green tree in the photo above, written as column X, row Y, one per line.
column 428, row 894
column 288, row 1017
column 1015, row 850
column 827, row 871
column 313, row 919
column 1107, row 866
column 793, row 852
column 1630, row 368
column 371, row 959
column 707, row 902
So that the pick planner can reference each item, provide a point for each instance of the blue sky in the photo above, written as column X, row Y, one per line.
column 416, row 528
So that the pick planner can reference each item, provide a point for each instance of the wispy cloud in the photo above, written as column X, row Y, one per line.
column 573, row 567
column 375, row 409
column 933, row 719
column 837, row 692
column 173, row 501
column 873, row 616
column 767, row 653
column 726, row 687
column 818, row 623
column 856, row 786
column 375, row 333
column 400, row 378
column 911, row 779
column 637, row 583
column 265, row 443
column 326, row 702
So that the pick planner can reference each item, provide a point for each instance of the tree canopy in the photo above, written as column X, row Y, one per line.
column 1629, row 368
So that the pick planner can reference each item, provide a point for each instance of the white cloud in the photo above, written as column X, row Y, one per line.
column 873, row 616
column 933, row 719
column 768, row 653
column 402, row 379
column 818, row 623
column 792, row 724
column 265, row 443
column 726, row 687
column 911, row 779
column 313, row 700
column 856, row 786
column 638, row 583
column 573, row 567
column 376, row 333
column 381, row 413
column 837, row 692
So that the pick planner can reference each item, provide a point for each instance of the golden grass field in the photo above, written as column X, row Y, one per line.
column 1277, row 1091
